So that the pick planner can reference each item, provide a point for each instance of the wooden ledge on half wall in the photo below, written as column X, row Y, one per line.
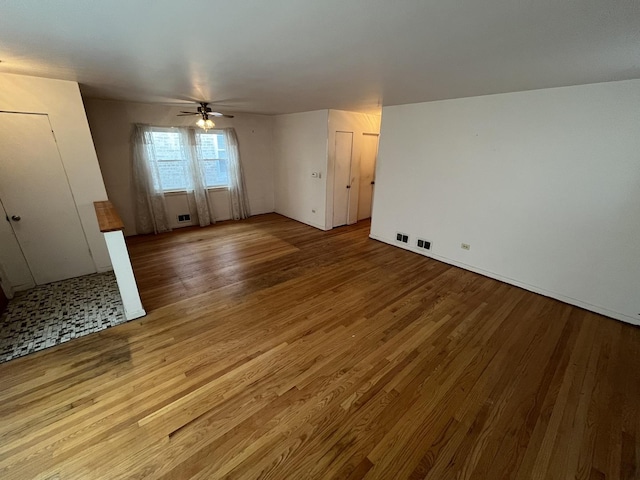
column 108, row 218
column 112, row 228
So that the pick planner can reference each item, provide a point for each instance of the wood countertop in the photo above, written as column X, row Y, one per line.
column 108, row 218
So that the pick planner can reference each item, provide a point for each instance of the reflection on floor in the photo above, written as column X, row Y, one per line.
column 58, row 312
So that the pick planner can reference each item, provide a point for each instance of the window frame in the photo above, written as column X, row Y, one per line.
column 217, row 131
column 181, row 191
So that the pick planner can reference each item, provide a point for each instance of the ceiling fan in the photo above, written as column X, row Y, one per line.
column 205, row 112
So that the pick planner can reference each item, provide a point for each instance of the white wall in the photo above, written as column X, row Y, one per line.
column 179, row 203
column 300, row 148
column 112, row 125
column 359, row 124
column 304, row 143
column 544, row 185
column 61, row 101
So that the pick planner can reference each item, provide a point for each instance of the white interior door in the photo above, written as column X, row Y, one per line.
column 14, row 270
column 367, row 174
column 342, row 178
column 37, row 199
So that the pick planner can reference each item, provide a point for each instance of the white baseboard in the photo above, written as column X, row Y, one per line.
column 532, row 288
column 311, row 224
column 135, row 314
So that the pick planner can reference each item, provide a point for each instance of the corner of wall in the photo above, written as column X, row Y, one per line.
column 533, row 194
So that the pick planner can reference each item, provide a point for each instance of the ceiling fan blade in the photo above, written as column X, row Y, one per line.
column 218, row 114
column 184, row 114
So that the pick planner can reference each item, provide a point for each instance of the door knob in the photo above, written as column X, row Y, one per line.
column 348, row 186
column 15, row 218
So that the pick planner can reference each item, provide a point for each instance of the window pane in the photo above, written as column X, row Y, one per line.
column 172, row 175
column 216, row 173
column 212, row 145
column 171, row 163
column 167, row 145
column 213, row 149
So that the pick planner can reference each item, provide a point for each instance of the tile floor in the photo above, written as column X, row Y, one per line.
column 58, row 312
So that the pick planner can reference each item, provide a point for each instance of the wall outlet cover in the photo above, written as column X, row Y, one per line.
column 402, row 237
column 424, row 244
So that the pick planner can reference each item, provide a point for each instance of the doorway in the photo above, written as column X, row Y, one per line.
column 42, row 231
column 354, row 178
column 342, row 178
column 368, row 156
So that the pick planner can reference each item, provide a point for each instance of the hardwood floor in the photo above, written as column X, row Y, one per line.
column 274, row 350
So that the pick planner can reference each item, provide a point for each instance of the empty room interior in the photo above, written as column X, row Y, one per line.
column 320, row 240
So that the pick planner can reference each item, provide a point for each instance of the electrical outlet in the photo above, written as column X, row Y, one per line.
column 184, row 218
column 402, row 237
column 465, row 246
column 425, row 244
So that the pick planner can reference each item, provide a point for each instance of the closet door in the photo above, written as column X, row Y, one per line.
column 342, row 178
column 38, row 202
column 368, row 157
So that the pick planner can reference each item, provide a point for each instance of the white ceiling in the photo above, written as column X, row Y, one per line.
column 283, row 56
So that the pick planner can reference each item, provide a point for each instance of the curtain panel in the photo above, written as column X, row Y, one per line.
column 151, row 208
column 196, row 178
column 237, row 189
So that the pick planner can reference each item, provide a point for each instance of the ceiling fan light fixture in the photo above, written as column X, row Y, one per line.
column 205, row 124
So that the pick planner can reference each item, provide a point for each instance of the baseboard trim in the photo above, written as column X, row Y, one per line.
column 135, row 314
column 314, row 225
column 532, row 288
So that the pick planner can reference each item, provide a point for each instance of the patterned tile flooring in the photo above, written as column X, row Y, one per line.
column 55, row 313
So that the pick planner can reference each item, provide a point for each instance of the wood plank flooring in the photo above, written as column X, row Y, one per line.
column 274, row 350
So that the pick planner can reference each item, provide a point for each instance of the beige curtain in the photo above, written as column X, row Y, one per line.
column 196, row 187
column 151, row 209
column 237, row 188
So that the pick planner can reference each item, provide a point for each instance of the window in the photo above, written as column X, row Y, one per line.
column 213, row 149
column 172, row 158
column 172, row 163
